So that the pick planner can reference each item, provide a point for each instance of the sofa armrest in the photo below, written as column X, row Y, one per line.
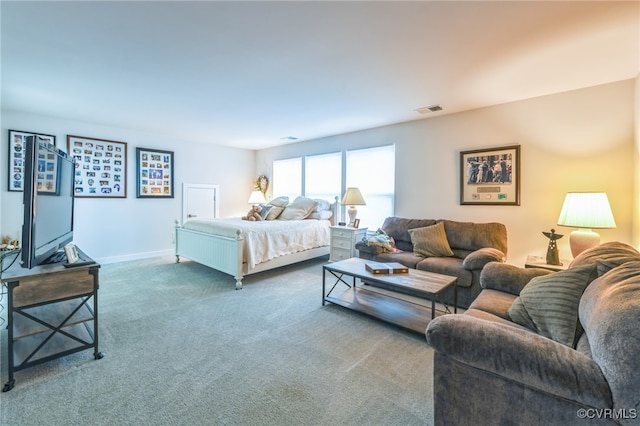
column 520, row 356
column 508, row 278
column 477, row 259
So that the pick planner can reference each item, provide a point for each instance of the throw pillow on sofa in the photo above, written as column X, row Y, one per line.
column 549, row 304
column 430, row 241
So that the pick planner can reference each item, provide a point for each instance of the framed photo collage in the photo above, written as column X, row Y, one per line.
column 101, row 167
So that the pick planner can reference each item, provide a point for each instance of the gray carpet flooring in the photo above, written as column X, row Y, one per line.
column 183, row 347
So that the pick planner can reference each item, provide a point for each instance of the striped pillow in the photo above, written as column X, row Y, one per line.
column 430, row 241
column 551, row 302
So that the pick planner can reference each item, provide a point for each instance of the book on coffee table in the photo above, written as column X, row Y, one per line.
column 386, row 268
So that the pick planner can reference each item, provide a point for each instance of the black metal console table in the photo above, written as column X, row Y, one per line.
column 52, row 311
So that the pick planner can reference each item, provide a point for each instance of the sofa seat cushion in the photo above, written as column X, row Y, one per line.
column 448, row 266
column 494, row 302
column 549, row 304
column 407, row 258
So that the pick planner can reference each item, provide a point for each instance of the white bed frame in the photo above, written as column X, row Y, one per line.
column 225, row 253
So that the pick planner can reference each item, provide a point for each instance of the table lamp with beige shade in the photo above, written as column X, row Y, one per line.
column 585, row 211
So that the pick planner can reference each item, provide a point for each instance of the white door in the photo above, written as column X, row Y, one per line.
column 199, row 201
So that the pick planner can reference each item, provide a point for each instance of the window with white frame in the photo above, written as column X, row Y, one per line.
column 372, row 170
column 323, row 176
column 287, row 178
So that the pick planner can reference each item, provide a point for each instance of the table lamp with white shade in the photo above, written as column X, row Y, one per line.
column 256, row 197
column 585, row 211
column 353, row 197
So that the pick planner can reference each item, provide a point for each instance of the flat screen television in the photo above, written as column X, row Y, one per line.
column 48, row 202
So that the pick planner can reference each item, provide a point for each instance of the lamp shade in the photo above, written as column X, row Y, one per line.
column 586, row 210
column 256, row 197
column 353, row 197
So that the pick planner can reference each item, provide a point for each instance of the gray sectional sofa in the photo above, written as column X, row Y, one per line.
column 472, row 245
column 573, row 358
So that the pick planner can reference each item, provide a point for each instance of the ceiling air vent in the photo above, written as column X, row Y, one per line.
column 428, row 109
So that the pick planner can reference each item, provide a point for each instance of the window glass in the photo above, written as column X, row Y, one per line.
column 372, row 170
column 287, row 178
column 323, row 176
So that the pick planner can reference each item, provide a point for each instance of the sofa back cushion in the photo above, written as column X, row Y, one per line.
column 610, row 314
column 606, row 256
column 398, row 229
column 465, row 237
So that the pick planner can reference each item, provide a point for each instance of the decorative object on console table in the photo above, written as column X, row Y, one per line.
column 154, row 173
column 386, row 268
column 540, row 262
column 353, row 197
column 585, row 210
column 553, row 258
column 490, row 176
column 343, row 242
column 101, row 167
column 15, row 167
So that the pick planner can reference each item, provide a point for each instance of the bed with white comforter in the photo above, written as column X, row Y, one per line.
column 241, row 247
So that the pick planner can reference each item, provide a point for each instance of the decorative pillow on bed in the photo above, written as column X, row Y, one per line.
column 299, row 209
column 321, row 215
column 280, row 201
column 322, row 205
column 266, row 208
column 278, row 204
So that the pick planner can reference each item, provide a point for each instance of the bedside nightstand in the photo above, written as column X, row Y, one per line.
column 343, row 242
column 541, row 262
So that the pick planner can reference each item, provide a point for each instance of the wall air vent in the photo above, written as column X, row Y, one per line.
column 428, row 109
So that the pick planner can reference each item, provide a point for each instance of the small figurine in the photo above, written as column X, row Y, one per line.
column 552, row 251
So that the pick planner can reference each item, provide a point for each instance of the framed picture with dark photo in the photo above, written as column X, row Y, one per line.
column 356, row 223
column 17, row 141
column 490, row 176
column 101, row 167
column 154, row 173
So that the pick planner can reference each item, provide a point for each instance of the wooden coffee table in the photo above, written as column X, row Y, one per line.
column 413, row 312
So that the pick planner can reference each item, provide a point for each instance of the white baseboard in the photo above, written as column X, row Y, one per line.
column 135, row 256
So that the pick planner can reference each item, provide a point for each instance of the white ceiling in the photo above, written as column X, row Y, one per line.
column 247, row 74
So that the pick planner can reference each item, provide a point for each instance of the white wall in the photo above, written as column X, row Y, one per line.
column 121, row 229
column 636, row 190
column 576, row 141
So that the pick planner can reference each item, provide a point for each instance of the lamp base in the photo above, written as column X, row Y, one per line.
column 353, row 212
column 583, row 239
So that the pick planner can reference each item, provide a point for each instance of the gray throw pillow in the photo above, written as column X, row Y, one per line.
column 430, row 241
column 551, row 304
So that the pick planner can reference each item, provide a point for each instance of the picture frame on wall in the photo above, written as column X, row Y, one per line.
column 15, row 166
column 490, row 176
column 154, row 173
column 101, row 167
